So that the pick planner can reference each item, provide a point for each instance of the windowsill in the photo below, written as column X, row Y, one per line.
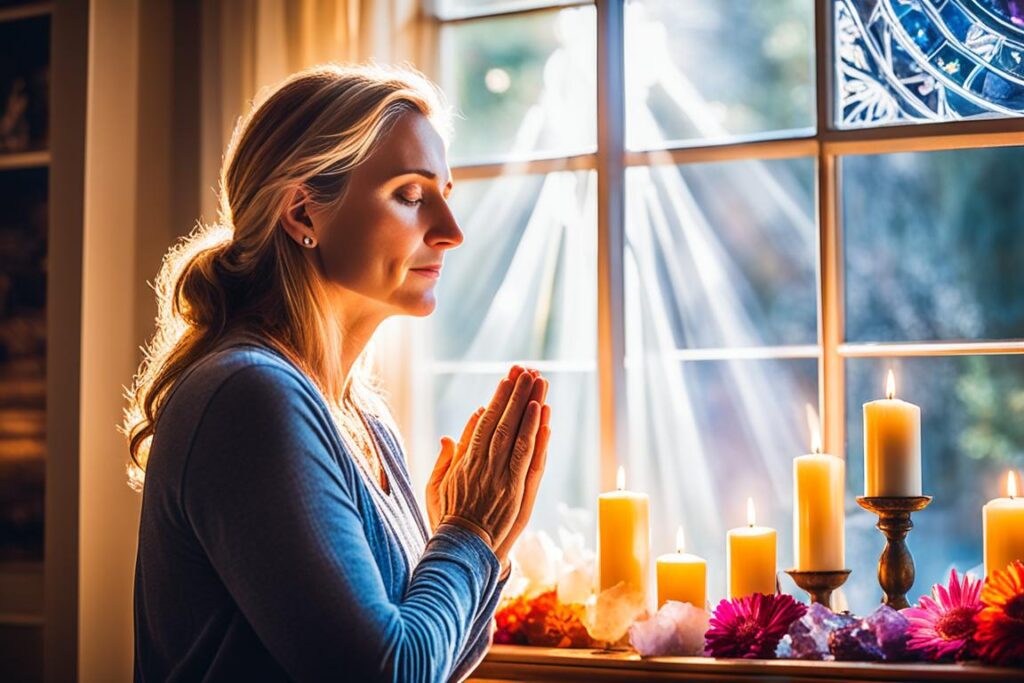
column 512, row 662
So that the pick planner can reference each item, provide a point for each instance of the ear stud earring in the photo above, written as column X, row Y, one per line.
column 307, row 241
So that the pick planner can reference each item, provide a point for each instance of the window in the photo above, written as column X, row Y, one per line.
column 739, row 217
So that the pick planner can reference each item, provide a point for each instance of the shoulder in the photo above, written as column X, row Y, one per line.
column 237, row 386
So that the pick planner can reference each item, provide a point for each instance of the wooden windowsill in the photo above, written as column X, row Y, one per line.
column 518, row 663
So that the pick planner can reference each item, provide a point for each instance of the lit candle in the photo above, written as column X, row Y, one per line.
column 1003, row 523
column 623, row 541
column 681, row 576
column 750, row 555
column 818, row 517
column 892, row 446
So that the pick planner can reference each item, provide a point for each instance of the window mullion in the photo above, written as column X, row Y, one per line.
column 831, row 374
column 611, row 237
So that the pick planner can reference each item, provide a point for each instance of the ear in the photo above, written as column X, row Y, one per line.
column 296, row 217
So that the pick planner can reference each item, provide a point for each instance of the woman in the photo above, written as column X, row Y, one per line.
column 279, row 537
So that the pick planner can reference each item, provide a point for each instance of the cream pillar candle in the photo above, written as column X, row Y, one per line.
column 819, row 479
column 1003, row 526
column 892, row 446
column 750, row 556
column 623, row 542
column 681, row 576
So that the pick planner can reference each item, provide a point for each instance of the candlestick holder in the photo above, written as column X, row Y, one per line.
column 896, row 564
column 819, row 585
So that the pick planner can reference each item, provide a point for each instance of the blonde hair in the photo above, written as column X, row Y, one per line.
column 244, row 271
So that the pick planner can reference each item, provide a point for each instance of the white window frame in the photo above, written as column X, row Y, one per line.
column 827, row 146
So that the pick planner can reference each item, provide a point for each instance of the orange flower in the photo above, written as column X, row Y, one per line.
column 1000, row 634
column 509, row 619
column 554, row 624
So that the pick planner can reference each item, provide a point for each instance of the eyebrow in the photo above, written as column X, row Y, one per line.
column 430, row 175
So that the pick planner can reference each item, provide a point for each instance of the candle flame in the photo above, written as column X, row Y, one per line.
column 680, row 540
column 890, row 386
column 1011, row 484
column 813, row 425
column 620, row 479
column 751, row 518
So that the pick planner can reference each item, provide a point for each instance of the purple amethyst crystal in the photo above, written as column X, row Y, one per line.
column 855, row 642
column 808, row 636
column 890, row 629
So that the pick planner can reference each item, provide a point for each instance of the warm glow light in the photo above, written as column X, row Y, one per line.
column 812, row 424
column 751, row 519
column 680, row 540
column 1011, row 484
column 620, row 479
column 890, row 386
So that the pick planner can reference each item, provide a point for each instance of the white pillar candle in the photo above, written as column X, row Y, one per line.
column 892, row 446
column 818, row 514
column 1003, row 527
column 623, row 539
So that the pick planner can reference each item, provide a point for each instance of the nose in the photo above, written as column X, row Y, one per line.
column 445, row 234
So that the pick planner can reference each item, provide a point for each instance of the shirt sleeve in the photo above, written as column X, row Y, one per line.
column 480, row 636
column 277, row 515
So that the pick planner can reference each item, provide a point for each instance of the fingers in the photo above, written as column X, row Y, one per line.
column 488, row 422
column 533, row 476
column 508, row 427
column 467, row 434
column 525, row 442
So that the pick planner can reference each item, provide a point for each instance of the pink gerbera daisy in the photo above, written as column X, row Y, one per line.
column 943, row 625
column 751, row 627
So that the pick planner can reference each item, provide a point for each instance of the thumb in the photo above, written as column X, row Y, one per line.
column 444, row 461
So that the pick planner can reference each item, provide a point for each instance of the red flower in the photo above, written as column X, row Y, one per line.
column 1000, row 634
column 943, row 625
column 751, row 627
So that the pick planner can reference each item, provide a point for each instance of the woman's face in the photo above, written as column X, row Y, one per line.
column 387, row 239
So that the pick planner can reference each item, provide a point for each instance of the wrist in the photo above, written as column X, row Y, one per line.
column 469, row 525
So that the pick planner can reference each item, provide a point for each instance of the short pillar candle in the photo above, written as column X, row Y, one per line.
column 681, row 576
column 750, row 556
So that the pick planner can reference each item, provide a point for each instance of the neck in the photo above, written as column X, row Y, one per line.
column 358, row 320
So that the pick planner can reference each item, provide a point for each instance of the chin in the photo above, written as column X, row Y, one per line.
column 421, row 307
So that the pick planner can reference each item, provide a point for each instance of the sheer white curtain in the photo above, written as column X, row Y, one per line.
column 248, row 45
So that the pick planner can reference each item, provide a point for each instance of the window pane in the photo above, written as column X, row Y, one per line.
column 447, row 9
column 523, row 84
column 523, row 284
column 705, row 435
column 717, row 70
column 972, row 432
column 572, row 470
column 929, row 60
column 933, row 245
column 722, row 255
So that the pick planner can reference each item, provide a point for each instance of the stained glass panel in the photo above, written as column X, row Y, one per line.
column 918, row 61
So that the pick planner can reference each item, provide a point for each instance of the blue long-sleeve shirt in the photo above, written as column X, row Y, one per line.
column 263, row 557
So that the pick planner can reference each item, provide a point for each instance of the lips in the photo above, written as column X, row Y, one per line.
column 433, row 272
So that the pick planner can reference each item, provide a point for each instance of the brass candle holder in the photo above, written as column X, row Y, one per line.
column 896, row 565
column 819, row 585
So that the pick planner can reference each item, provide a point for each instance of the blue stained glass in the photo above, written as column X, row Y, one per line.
column 902, row 61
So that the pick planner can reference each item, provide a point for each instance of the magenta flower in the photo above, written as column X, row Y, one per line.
column 943, row 625
column 751, row 627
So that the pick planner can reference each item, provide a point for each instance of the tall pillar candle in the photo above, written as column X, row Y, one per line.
column 750, row 556
column 623, row 542
column 892, row 446
column 818, row 512
column 1003, row 525
column 681, row 576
